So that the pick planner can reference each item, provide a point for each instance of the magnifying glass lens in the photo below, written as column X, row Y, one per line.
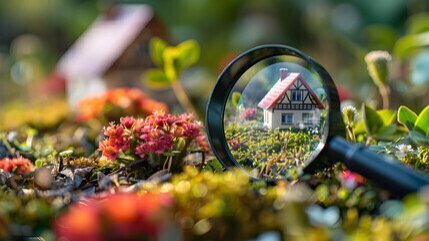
column 275, row 117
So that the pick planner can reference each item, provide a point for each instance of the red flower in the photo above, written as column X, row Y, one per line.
column 18, row 165
column 117, row 140
column 122, row 216
column 352, row 179
column 249, row 114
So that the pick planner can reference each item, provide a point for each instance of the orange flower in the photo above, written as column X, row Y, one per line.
column 119, row 102
column 90, row 108
column 121, row 216
column 18, row 165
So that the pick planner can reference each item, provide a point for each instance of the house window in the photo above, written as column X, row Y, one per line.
column 307, row 118
column 296, row 95
column 287, row 118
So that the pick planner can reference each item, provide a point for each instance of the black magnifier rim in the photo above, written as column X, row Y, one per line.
column 229, row 77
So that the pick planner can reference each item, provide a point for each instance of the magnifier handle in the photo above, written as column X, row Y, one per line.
column 389, row 173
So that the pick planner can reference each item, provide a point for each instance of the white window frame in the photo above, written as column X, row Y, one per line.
column 285, row 117
column 307, row 118
column 296, row 94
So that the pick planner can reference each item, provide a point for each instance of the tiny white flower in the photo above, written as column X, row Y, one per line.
column 403, row 149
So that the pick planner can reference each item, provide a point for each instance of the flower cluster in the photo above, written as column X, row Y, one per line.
column 117, row 140
column 157, row 134
column 18, row 165
column 116, row 216
column 118, row 102
column 249, row 114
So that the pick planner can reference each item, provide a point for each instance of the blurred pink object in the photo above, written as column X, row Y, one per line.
column 249, row 114
column 343, row 93
column 352, row 179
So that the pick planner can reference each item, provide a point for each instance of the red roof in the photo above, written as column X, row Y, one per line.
column 280, row 88
column 105, row 41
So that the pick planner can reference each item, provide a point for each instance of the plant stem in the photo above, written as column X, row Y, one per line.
column 385, row 92
column 183, row 98
column 350, row 134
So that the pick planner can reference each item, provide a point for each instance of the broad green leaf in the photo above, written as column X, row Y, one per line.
column 418, row 138
column 39, row 163
column 156, row 79
column 418, row 23
column 406, row 117
column 410, row 42
column 387, row 133
column 157, row 47
column 373, row 121
column 359, row 128
column 422, row 123
column 171, row 70
column 388, row 116
column 235, row 98
column 189, row 53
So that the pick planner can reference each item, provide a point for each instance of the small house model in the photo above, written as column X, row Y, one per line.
column 291, row 103
column 112, row 52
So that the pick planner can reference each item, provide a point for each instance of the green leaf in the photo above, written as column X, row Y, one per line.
column 170, row 67
column 406, row 117
column 411, row 42
column 373, row 122
column 418, row 138
column 235, row 98
column 188, row 54
column 213, row 166
column 387, row 133
column 388, row 116
column 359, row 128
column 156, row 79
column 422, row 123
column 418, row 23
column 39, row 163
column 157, row 47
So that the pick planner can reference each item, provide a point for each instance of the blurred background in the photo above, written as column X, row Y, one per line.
column 45, row 43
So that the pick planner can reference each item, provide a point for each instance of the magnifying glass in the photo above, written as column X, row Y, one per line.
column 275, row 112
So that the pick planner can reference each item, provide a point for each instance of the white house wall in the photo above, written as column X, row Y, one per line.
column 275, row 119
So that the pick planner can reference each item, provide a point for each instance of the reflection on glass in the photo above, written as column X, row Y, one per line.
column 275, row 117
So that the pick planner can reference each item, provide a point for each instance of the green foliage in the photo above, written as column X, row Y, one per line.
column 157, row 48
column 378, row 124
column 271, row 153
column 407, row 117
column 235, row 98
column 157, row 79
column 422, row 123
column 171, row 61
column 405, row 45
column 417, row 125
column 373, row 121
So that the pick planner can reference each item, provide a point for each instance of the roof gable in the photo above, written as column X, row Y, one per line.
column 277, row 91
column 105, row 41
column 280, row 88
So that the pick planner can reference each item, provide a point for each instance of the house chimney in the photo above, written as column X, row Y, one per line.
column 283, row 73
